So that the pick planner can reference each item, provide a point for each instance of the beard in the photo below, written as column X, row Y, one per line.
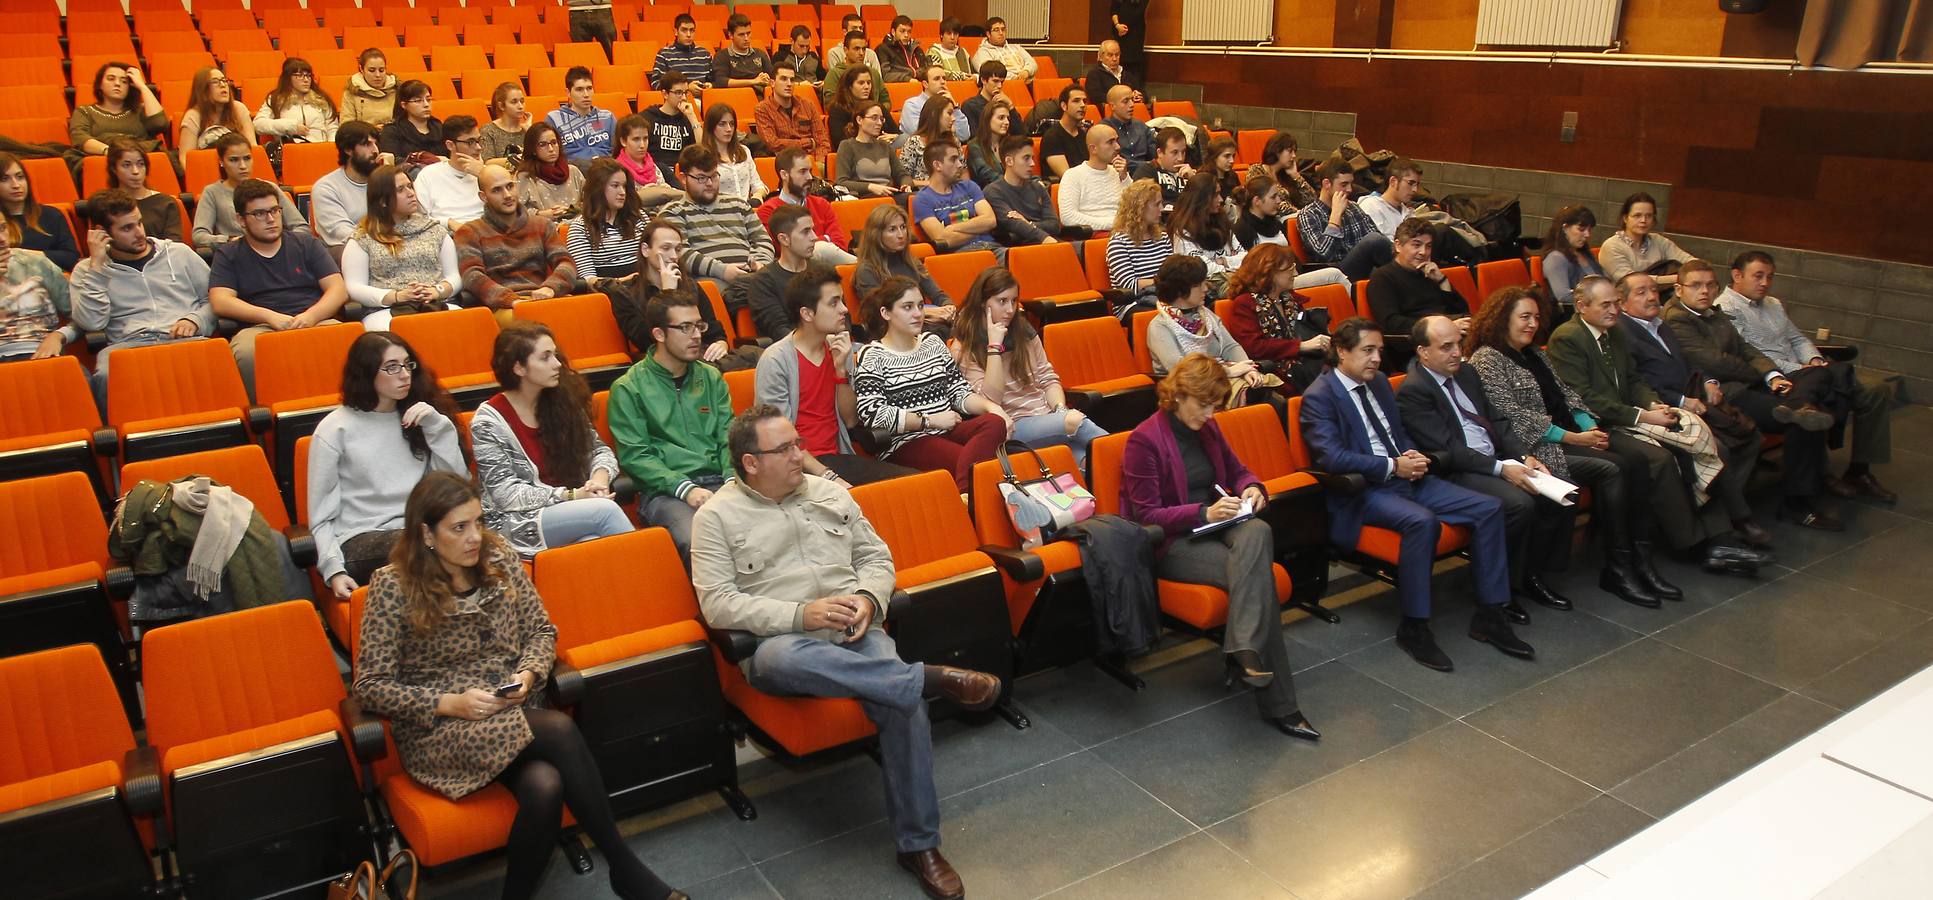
column 365, row 167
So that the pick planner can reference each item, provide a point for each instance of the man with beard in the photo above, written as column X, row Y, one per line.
column 137, row 289
column 341, row 198
column 725, row 239
column 511, row 255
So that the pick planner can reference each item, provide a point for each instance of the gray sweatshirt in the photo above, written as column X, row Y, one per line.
column 217, row 224
column 361, row 473
column 124, row 301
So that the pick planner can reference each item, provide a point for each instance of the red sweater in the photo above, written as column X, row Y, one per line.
column 824, row 223
column 1248, row 332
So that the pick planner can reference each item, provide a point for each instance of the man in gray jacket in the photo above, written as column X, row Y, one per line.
column 139, row 290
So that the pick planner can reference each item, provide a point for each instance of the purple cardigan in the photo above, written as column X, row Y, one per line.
column 1154, row 481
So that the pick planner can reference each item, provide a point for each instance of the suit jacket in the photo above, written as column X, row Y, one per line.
column 1714, row 345
column 1338, row 442
column 1662, row 362
column 1615, row 394
column 1154, row 480
column 1438, row 429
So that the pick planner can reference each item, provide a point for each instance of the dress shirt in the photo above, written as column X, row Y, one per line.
column 1385, row 214
column 1764, row 325
column 1474, row 434
column 1376, row 446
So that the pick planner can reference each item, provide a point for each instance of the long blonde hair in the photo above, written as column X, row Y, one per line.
column 872, row 254
column 1131, row 218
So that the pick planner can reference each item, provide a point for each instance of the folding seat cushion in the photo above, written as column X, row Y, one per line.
column 62, row 727
column 1093, row 355
column 45, row 405
column 51, row 532
column 583, row 327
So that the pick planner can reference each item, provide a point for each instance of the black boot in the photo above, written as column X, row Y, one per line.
column 1535, row 588
column 1654, row 584
column 1730, row 556
column 1488, row 626
column 1620, row 579
column 1415, row 638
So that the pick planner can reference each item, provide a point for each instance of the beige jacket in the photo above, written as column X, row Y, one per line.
column 757, row 563
column 362, row 103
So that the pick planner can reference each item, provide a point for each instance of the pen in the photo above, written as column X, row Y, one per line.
column 1220, row 490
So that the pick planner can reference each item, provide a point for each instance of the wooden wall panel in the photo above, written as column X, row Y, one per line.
column 1675, row 28
column 1434, row 25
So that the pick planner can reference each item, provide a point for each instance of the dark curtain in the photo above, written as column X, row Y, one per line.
column 1847, row 34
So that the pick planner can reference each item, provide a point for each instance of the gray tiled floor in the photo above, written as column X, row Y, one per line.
column 1481, row 783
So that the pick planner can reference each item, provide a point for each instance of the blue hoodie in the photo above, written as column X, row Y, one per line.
column 584, row 137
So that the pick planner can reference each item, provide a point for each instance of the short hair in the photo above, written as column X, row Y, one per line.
column 852, row 17
column 1747, row 258
column 1634, row 200
column 1177, row 276
column 992, row 68
column 657, row 312
column 936, row 151
column 995, row 20
column 575, row 73
column 455, row 126
column 786, row 218
column 741, row 440
column 1170, row 135
column 672, row 79
column 1402, row 164
column 802, row 292
column 363, row 58
column 697, row 158
column 928, row 70
column 351, row 135
column 1419, row 332
column 1349, row 335
column 1625, row 282
column 801, row 31
column 950, row 25
column 902, row 20
column 1068, row 91
column 252, row 190
column 1414, row 227
column 853, row 35
column 1696, row 265
column 1014, row 143
column 112, row 203
column 784, row 65
column 1331, row 168
column 736, row 21
column 1582, row 289
column 1197, row 376
column 789, row 157
column 682, row 20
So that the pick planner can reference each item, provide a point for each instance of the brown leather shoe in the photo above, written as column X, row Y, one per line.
column 1870, row 486
column 1843, row 488
column 936, row 875
column 1752, row 533
column 969, row 689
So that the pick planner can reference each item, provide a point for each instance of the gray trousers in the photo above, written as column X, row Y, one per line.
column 673, row 515
column 868, row 670
column 1239, row 560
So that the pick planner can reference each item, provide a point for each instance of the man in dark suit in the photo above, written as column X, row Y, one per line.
column 1448, row 414
column 1663, row 365
column 1349, row 417
column 1592, row 355
column 1754, row 384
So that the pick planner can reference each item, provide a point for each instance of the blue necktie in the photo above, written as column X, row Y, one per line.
column 1382, row 434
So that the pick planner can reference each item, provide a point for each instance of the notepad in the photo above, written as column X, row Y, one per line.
column 1248, row 512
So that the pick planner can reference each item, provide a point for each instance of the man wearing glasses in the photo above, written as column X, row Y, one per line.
column 792, row 560
column 674, row 126
column 447, row 189
column 725, row 240
column 271, row 280
column 669, row 415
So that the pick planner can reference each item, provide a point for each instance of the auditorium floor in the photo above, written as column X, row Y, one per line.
column 1481, row 783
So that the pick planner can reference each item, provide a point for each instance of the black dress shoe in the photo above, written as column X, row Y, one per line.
column 1811, row 517
column 1734, row 559
column 1648, row 577
column 1296, row 725
column 1488, row 626
column 1750, row 532
column 936, row 875
column 1619, row 578
column 1515, row 612
column 1415, row 638
column 1535, row 588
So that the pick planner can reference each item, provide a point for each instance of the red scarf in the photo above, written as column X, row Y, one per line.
column 554, row 173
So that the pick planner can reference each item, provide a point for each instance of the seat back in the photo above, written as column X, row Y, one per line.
column 303, row 364
column 918, row 516
column 1047, row 269
column 44, row 397
column 182, row 378
column 1257, row 438
column 1466, row 286
column 852, row 213
column 303, row 164
column 1496, row 275
column 1333, row 297
column 582, row 323
column 1138, row 337
column 245, row 469
column 990, row 521
column 228, row 673
column 1094, row 251
column 1104, row 471
column 62, row 713
column 1088, row 351
column 954, row 272
column 455, row 343
column 1299, row 456
column 587, row 605
column 742, row 100
column 744, row 387
column 49, row 523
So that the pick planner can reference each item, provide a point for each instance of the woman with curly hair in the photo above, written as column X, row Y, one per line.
column 1275, row 324
column 1136, row 247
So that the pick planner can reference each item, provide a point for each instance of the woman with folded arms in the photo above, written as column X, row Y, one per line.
column 907, row 384
column 603, row 242
column 398, row 260
column 455, row 650
column 1178, row 473
column 1000, row 354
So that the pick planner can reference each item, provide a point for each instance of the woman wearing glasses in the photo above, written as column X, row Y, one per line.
column 867, row 165
column 658, row 272
column 545, row 475
column 216, row 222
column 295, row 111
column 394, row 426
column 213, row 112
column 414, row 138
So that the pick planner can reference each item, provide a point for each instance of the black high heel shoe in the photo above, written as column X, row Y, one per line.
column 1296, row 725
column 1245, row 666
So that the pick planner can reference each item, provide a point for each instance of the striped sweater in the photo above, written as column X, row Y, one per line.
column 888, row 384
column 719, row 234
column 1129, row 261
column 615, row 255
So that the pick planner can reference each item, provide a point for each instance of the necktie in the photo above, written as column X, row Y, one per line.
column 1369, row 412
column 1604, row 352
column 1457, row 400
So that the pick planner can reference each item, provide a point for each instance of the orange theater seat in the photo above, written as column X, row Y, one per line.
column 456, row 345
column 48, row 421
column 585, row 331
column 246, row 470
column 1092, row 355
column 955, row 272
column 1052, row 284
column 169, row 398
column 1496, row 275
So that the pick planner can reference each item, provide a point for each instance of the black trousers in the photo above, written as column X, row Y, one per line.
column 1803, row 470
column 594, row 25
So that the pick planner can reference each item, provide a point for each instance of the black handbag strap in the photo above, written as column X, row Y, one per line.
column 1006, row 464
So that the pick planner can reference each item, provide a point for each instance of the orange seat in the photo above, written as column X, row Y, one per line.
column 589, row 54
column 1250, row 143
column 743, row 385
column 481, row 83
column 245, row 469
column 1094, row 253
column 1093, row 355
column 852, row 213
column 955, row 272
column 1496, row 275
column 455, row 344
column 303, row 164
column 1052, row 284
column 1046, row 69
column 1466, row 286
column 1376, row 542
column 166, row 398
column 453, row 57
column 521, row 57
column 994, row 528
column 584, row 329
column 1333, row 297
column 301, row 368
column 742, row 101
column 48, row 421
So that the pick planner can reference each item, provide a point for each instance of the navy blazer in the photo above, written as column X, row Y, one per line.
column 1439, row 429
column 1665, row 367
column 1338, row 443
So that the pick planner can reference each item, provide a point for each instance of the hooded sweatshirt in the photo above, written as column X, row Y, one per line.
column 584, row 137
column 362, row 103
column 125, row 301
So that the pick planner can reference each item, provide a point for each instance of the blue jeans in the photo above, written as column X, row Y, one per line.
column 868, row 670
column 673, row 515
column 572, row 521
column 1048, row 429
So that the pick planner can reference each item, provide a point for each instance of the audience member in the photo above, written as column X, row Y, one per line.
column 997, row 120
column 1634, row 248
column 635, row 148
column 216, row 219
column 1020, row 64
column 591, row 20
column 727, row 241
column 271, row 280
column 33, row 297
column 1023, row 208
column 1337, row 231
column 1136, row 248
column 907, row 384
column 933, row 87
column 468, row 736
column 1137, row 139
column 1279, row 162
column 763, row 292
column 295, row 110
column 1183, row 325
column 138, row 289
column 1546, row 416
column 1594, row 357
column 547, row 184
column 794, row 167
column 1199, row 226
column 656, row 272
column 1258, row 213
column 1412, row 286
column 1066, row 143
column 770, row 542
column 847, row 74
column 604, row 240
column 949, row 55
column 400, row 259
column 737, row 174
column 951, row 209
column 370, row 95
column 124, row 106
column 852, row 91
column 413, row 137
column 1568, row 257
column 212, row 113
column 1760, row 319
column 503, row 135
column 1389, row 208
column 510, row 255
column 395, row 426
column 738, row 63
column 836, row 56
column 586, row 130
column 1108, row 74
column 1275, row 326
column 127, row 170
column 683, row 57
column 900, row 56
column 1000, row 355
column 1090, row 193
column 785, row 121
column 1350, row 420
column 339, row 199
column 885, row 253
column 1183, row 438
column 1218, row 159
column 992, row 80
column 1169, row 167
column 931, row 132
column 544, row 473
column 799, row 56
column 30, row 225
column 674, row 126
column 868, row 167
column 447, row 188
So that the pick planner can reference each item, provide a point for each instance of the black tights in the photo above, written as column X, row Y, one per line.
column 556, row 769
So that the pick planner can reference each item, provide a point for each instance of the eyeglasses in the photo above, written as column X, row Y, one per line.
column 873, row 117
column 398, row 368
column 301, row 74
column 264, row 215
column 693, row 329
column 707, row 177
column 541, row 145
column 468, row 142
column 796, row 445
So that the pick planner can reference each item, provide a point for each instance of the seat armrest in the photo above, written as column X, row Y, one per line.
column 1083, row 400
column 1838, row 352
column 106, row 442
column 259, row 419
column 899, row 601
column 737, row 646
column 1344, row 484
column 1018, row 564
column 120, row 582
column 1039, row 309
column 365, row 730
column 141, row 780
column 301, row 545
column 566, row 683
column 1153, row 534
column 624, row 489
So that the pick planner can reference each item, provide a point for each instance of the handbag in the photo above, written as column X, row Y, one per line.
column 1041, row 507
column 385, row 889
column 360, row 884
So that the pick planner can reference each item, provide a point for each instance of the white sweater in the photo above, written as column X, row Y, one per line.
column 309, row 122
column 1090, row 196
column 361, row 472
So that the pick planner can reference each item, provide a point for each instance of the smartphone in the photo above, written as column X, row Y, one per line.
column 509, row 687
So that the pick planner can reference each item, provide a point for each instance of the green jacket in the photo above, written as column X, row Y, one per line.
column 1615, row 395
column 666, row 436
column 153, row 536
